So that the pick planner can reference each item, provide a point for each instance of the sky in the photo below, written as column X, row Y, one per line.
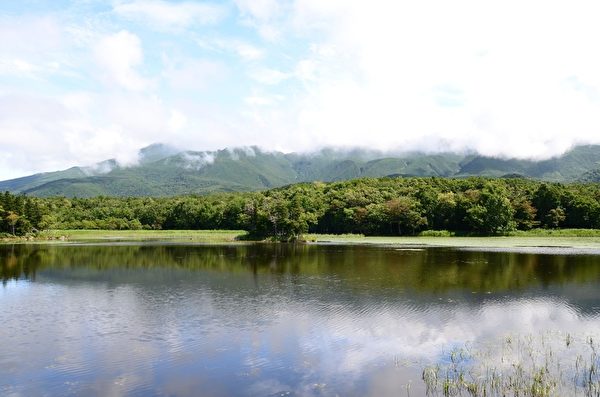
column 82, row 81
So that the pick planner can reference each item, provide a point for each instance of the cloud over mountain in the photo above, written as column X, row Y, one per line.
column 85, row 81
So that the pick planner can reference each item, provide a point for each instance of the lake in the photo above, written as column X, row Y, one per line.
column 174, row 319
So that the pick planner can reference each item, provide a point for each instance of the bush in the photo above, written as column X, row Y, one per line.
column 436, row 233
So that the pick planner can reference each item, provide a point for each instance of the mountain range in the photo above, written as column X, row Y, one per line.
column 165, row 171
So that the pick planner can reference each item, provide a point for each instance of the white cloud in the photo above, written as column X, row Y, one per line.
column 197, row 160
column 171, row 16
column 16, row 66
column 246, row 51
column 263, row 100
column 47, row 134
column 242, row 49
column 259, row 9
column 177, row 120
column 264, row 15
column 306, row 70
column 510, row 78
column 30, row 35
column 119, row 55
column 33, row 133
column 32, row 47
column 269, row 76
column 185, row 75
column 493, row 77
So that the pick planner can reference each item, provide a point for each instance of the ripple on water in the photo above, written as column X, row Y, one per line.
column 340, row 321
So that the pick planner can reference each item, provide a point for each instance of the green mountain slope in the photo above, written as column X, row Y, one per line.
column 165, row 171
column 29, row 182
column 568, row 167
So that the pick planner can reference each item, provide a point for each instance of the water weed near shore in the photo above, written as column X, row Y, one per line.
column 543, row 365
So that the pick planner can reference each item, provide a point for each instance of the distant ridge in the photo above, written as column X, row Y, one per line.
column 165, row 171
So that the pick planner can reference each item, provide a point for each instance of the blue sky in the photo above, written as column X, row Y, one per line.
column 83, row 81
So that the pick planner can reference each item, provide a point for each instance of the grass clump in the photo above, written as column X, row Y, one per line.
column 315, row 237
column 436, row 233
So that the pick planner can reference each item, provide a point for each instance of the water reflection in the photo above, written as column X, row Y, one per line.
column 265, row 319
column 427, row 270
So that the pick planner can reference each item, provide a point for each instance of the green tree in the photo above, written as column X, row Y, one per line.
column 12, row 219
column 580, row 210
column 555, row 217
column 524, row 214
column 545, row 199
column 492, row 214
column 404, row 213
column 444, row 211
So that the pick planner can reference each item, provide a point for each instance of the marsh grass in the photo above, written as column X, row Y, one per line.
column 521, row 241
column 575, row 238
column 551, row 364
column 556, row 233
column 209, row 236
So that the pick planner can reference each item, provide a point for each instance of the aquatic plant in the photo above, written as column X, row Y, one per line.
column 551, row 364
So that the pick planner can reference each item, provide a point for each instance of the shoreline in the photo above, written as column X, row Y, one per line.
column 560, row 239
column 76, row 236
column 497, row 242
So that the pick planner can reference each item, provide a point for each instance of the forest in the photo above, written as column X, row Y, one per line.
column 370, row 206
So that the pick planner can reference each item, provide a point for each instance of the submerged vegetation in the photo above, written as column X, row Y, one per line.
column 369, row 206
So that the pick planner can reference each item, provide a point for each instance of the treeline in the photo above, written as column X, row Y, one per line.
column 371, row 206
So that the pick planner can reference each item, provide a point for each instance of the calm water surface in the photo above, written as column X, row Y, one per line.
column 270, row 320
